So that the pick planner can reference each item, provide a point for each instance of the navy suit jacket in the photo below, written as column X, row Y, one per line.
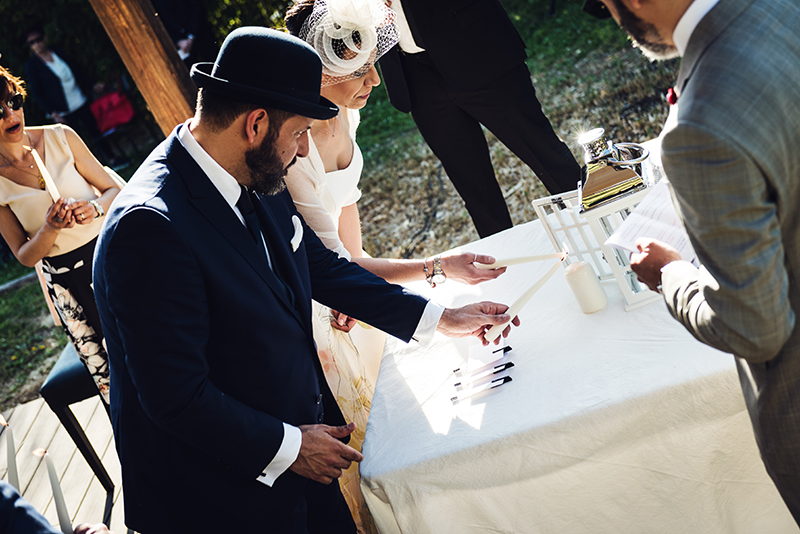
column 208, row 356
column 18, row 516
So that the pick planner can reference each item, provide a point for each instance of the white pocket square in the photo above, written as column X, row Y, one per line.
column 298, row 233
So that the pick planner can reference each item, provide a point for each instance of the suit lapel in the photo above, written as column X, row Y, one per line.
column 282, row 256
column 708, row 30
column 212, row 206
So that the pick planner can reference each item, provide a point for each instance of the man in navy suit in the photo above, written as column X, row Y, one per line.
column 204, row 275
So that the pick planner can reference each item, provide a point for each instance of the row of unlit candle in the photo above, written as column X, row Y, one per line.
column 13, row 476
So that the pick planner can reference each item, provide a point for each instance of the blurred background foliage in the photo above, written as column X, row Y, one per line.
column 73, row 25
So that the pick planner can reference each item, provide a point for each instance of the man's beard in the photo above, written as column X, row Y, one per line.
column 266, row 167
column 644, row 35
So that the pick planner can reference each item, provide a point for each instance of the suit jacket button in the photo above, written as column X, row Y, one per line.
column 319, row 398
column 321, row 417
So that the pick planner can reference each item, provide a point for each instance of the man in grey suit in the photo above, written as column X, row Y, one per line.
column 731, row 151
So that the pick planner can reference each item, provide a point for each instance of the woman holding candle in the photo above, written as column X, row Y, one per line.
column 350, row 36
column 39, row 168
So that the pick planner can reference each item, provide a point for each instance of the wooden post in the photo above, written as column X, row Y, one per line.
column 150, row 56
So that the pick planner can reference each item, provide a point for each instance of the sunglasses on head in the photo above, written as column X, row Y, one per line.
column 14, row 103
column 597, row 9
column 35, row 40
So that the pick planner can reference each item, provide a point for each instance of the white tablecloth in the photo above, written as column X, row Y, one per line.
column 614, row 422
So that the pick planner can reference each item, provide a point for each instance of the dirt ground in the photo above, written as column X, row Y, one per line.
column 410, row 209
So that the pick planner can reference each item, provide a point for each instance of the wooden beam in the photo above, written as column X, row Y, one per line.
column 151, row 58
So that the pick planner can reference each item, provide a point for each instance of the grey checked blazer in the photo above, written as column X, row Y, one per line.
column 733, row 158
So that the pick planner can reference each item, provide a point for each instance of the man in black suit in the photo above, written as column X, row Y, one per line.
column 458, row 65
column 222, row 417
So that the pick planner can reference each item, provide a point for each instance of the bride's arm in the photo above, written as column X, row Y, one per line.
column 302, row 187
column 350, row 230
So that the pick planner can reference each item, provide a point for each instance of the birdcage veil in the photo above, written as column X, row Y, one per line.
column 349, row 36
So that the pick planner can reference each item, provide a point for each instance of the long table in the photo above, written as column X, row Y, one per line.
column 614, row 422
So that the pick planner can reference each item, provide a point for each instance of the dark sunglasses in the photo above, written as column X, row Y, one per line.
column 597, row 9
column 35, row 40
column 15, row 102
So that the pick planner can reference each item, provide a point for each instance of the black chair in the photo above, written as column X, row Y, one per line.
column 70, row 382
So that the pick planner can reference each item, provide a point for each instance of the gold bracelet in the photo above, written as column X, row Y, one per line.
column 428, row 277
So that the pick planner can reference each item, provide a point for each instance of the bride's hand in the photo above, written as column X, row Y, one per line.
column 461, row 267
column 342, row 322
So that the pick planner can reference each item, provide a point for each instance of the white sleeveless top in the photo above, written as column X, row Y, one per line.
column 320, row 196
column 30, row 205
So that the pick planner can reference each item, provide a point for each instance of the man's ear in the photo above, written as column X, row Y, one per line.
column 256, row 125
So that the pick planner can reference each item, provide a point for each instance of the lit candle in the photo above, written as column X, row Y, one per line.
column 586, row 287
column 495, row 331
column 58, row 496
column 522, row 259
column 516, row 261
column 13, row 475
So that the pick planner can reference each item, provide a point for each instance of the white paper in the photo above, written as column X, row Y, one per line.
column 655, row 217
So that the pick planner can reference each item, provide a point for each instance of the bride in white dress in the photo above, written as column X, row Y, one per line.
column 324, row 187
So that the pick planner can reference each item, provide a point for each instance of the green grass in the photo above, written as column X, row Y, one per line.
column 11, row 270
column 27, row 338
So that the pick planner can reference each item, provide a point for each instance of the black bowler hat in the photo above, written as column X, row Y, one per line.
column 596, row 8
column 268, row 68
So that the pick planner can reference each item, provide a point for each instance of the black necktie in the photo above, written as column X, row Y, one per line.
column 245, row 205
column 248, row 210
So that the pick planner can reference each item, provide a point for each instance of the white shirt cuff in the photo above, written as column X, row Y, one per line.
column 285, row 457
column 676, row 270
column 428, row 322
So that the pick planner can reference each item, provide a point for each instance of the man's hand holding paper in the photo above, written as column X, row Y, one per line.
column 653, row 255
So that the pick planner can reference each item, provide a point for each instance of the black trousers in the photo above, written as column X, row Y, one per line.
column 450, row 121
column 327, row 510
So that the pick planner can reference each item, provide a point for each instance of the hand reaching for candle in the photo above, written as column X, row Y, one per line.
column 342, row 322
column 322, row 456
column 461, row 267
column 653, row 256
column 475, row 320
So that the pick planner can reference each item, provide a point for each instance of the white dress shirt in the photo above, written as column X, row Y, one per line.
column 689, row 21
column 229, row 188
column 407, row 43
column 74, row 95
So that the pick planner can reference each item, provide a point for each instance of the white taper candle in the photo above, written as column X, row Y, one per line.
column 495, row 331
column 13, row 474
column 516, row 261
column 58, row 497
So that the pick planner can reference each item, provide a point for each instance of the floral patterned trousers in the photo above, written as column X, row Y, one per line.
column 69, row 282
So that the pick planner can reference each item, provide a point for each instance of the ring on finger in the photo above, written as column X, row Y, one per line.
column 476, row 258
column 58, row 219
column 81, row 216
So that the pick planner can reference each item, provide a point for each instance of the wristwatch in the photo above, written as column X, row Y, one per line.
column 98, row 207
column 438, row 276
